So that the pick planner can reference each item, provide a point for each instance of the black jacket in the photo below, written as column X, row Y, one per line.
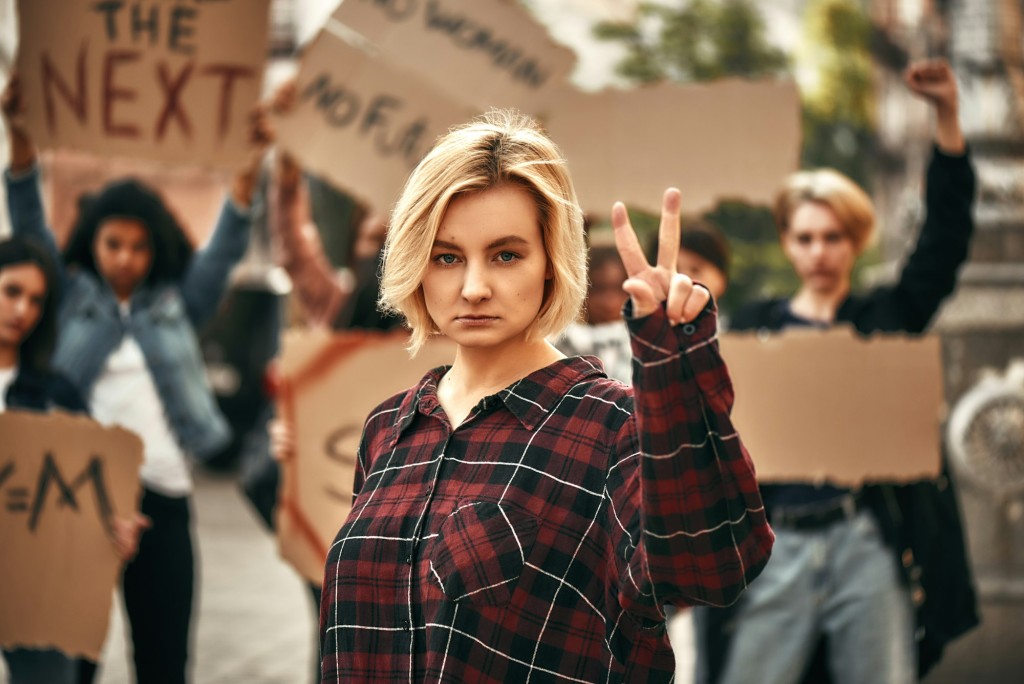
column 920, row 522
column 43, row 391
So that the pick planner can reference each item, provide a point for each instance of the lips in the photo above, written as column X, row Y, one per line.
column 475, row 320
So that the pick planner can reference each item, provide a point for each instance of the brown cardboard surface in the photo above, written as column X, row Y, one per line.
column 816, row 406
column 487, row 53
column 172, row 82
column 60, row 567
column 432, row 64
column 194, row 195
column 730, row 139
column 330, row 383
column 363, row 123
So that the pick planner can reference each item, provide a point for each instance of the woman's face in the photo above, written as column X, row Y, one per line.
column 485, row 283
column 22, row 297
column 821, row 251
column 123, row 254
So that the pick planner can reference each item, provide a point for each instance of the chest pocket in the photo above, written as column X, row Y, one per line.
column 481, row 551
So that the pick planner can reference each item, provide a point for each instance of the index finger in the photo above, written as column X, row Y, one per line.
column 668, row 233
column 630, row 251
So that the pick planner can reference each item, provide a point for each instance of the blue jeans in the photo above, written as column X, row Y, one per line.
column 39, row 666
column 841, row 581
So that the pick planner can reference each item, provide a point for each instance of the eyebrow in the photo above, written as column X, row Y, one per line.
column 500, row 242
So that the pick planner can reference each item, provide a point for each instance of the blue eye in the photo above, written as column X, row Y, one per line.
column 445, row 259
column 507, row 257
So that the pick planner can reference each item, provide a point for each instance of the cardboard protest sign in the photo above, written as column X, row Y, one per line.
column 62, row 479
column 362, row 123
column 194, row 195
column 173, row 82
column 486, row 53
column 727, row 140
column 423, row 66
column 329, row 385
column 816, row 406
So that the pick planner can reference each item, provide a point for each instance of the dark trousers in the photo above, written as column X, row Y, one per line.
column 158, row 588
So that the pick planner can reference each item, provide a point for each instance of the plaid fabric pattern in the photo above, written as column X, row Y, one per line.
column 539, row 541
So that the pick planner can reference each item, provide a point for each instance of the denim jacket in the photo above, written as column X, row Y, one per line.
column 163, row 320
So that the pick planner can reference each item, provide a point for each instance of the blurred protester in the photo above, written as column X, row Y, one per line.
column 603, row 333
column 133, row 295
column 338, row 299
column 852, row 568
column 28, row 332
column 704, row 255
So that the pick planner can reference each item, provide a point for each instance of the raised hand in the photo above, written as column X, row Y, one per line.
column 650, row 286
column 934, row 82
column 12, row 106
column 259, row 136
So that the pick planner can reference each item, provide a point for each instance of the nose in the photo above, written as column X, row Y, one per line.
column 475, row 284
column 21, row 308
column 817, row 248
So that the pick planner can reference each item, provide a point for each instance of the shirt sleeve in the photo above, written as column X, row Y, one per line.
column 206, row 278
column 930, row 272
column 682, row 485
column 28, row 218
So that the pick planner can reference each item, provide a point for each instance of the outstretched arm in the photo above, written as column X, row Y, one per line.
column 929, row 275
column 206, row 278
column 683, row 490
column 24, row 200
column 23, row 151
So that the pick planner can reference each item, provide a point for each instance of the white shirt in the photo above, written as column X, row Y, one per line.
column 7, row 376
column 124, row 395
column 607, row 341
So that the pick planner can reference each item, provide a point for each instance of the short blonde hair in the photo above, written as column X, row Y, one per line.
column 499, row 147
column 846, row 199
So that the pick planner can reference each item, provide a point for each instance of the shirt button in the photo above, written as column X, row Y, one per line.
column 689, row 329
column 430, row 488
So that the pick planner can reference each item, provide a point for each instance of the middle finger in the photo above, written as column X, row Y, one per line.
column 668, row 233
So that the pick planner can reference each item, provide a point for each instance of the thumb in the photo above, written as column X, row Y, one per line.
column 640, row 291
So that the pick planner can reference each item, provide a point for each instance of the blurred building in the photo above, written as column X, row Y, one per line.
column 983, row 325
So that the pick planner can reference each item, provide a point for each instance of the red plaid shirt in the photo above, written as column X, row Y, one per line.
column 539, row 540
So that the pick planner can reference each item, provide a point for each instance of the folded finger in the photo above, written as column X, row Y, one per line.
column 679, row 292
column 695, row 303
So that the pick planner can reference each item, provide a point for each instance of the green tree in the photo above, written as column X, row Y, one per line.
column 703, row 40
column 838, row 110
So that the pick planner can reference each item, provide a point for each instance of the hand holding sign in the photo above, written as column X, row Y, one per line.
column 648, row 285
column 12, row 105
column 127, row 532
column 259, row 136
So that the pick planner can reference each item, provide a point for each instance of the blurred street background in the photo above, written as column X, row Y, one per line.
column 255, row 619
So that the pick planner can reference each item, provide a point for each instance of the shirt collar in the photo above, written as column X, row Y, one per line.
column 529, row 399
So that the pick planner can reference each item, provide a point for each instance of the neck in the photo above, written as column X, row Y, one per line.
column 479, row 372
column 819, row 305
column 8, row 356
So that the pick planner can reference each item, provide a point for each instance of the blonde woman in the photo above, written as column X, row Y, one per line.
column 519, row 516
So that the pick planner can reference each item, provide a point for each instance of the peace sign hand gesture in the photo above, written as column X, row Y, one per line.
column 648, row 286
